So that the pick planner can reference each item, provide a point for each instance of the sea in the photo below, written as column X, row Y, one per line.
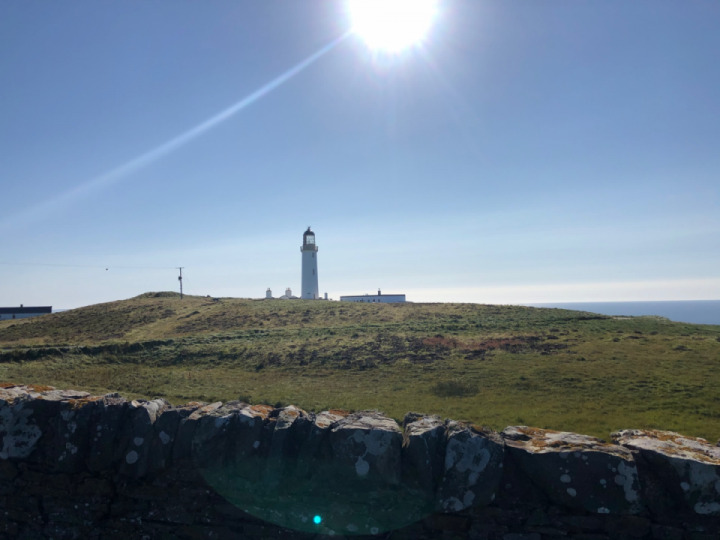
column 688, row 311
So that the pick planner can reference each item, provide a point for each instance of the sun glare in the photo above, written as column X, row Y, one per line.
column 391, row 25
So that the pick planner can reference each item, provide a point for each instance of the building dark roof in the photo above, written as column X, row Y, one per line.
column 23, row 309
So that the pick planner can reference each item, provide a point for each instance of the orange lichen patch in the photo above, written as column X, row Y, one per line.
column 480, row 429
column 326, row 419
column 671, row 444
column 671, row 436
column 80, row 403
column 292, row 413
column 536, row 432
column 40, row 387
column 261, row 410
column 7, row 385
column 559, row 441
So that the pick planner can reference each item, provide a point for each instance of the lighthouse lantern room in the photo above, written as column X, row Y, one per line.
column 309, row 250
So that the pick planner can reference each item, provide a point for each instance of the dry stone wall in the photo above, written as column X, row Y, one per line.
column 74, row 465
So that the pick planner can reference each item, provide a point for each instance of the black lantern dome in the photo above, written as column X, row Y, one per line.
column 308, row 238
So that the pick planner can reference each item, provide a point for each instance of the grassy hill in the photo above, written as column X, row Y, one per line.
column 494, row 365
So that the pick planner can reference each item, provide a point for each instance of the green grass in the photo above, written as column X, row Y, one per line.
column 492, row 365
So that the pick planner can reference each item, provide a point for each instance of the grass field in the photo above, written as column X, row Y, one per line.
column 493, row 365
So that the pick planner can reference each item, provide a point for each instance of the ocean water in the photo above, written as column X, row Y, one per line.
column 689, row 311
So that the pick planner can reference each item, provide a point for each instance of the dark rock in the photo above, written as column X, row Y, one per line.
column 166, row 426
column 8, row 472
column 701, row 536
column 369, row 444
column 252, row 429
column 315, row 448
column 19, row 430
column 291, row 429
column 548, row 533
column 448, row 522
column 472, row 469
column 292, row 426
column 423, row 451
column 577, row 471
column 522, row 536
column 666, row 532
column 137, row 436
column 24, row 509
column 107, row 417
column 168, row 442
column 538, row 518
column 65, row 417
column 516, row 490
column 211, row 441
column 687, row 467
column 627, row 526
column 582, row 523
column 182, row 447
column 236, row 470
column 97, row 487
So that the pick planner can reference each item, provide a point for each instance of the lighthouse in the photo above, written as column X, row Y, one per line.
column 310, row 290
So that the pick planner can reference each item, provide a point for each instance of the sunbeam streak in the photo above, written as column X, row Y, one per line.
column 143, row 160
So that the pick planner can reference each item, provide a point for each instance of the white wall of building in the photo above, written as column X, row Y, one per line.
column 375, row 298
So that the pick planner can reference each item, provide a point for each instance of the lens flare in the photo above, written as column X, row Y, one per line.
column 113, row 176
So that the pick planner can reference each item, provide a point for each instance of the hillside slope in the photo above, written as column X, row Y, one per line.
column 495, row 365
column 163, row 315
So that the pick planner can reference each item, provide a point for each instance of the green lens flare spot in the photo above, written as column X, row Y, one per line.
column 317, row 520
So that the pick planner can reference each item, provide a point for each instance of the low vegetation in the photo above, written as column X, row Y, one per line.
column 493, row 365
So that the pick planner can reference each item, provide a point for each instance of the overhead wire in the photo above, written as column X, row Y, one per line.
column 98, row 266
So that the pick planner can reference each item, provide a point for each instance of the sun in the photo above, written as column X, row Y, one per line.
column 391, row 25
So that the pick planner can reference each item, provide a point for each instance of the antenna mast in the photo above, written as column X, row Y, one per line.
column 180, row 280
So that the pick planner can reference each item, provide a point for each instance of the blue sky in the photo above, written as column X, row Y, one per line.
column 525, row 152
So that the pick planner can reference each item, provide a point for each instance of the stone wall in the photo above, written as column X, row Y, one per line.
column 74, row 465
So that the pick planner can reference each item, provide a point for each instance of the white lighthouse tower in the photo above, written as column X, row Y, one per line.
column 310, row 290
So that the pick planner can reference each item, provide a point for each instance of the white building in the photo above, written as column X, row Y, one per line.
column 23, row 312
column 310, row 289
column 379, row 297
column 288, row 295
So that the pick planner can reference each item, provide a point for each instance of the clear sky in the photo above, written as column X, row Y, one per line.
column 524, row 151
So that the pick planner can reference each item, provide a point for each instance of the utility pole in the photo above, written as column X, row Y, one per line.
column 180, row 280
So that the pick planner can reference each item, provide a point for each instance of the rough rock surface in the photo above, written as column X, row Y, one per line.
column 368, row 443
column 423, row 450
column 74, row 465
column 688, row 468
column 473, row 467
column 577, row 470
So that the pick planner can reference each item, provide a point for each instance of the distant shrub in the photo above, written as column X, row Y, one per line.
column 161, row 294
column 441, row 342
column 454, row 388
